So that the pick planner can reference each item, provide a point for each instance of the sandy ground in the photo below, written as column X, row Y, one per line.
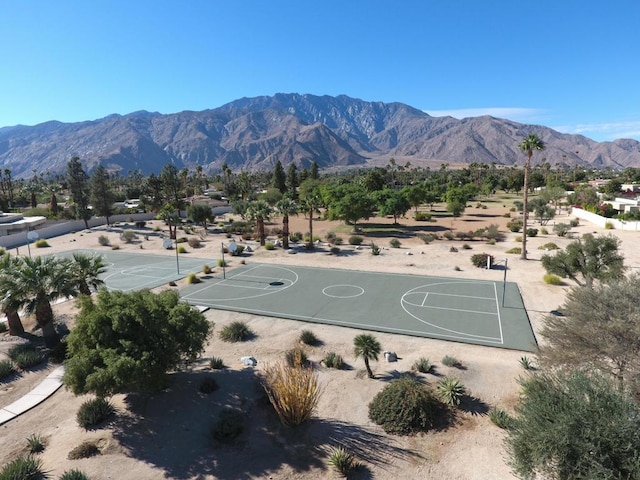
column 168, row 435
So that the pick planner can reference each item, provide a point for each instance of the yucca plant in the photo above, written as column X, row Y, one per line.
column 526, row 363
column 308, row 337
column 23, row 467
column 216, row 363
column 500, row 418
column 74, row 475
column 192, row 278
column 422, row 365
column 35, row 443
column 235, row 332
column 6, row 369
column 296, row 357
column 25, row 356
column 451, row 391
column 342, row 460
column 95, row 411
column 294, row 392
column 451, row 361
column 333, row 360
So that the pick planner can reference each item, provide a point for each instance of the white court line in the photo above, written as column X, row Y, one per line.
column 495, row 288
column 424, row 300
column 455, row 309
column 456, row 295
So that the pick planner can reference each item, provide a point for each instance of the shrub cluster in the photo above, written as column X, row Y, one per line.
column 25, row 356
column 229, row 426
column 355, row 240
column 94, row 412
column 480, row 259
column 86, row 449
column 333, row 360
column 235, row 332
column 422, row 216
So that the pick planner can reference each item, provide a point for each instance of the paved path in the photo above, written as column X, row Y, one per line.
column 36, row 396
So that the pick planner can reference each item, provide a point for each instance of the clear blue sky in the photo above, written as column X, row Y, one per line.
column 568, row 64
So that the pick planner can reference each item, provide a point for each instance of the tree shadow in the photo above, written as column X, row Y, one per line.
column 473, row 405
column 172, row 431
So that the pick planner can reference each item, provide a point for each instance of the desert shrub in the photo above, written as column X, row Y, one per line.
column 515, row 225
column 3, row 325
column 355, row 240
column 93, row 412
column 103, row 240
column 330, row 237
column 492, row 232
column 561, row 229
column 128, row 236
column 74, row 475
column 500, row 418
column 6, row 369
column 35, row 443
column 403, row 407
column 450, row 391
column 308, row 337
column 544, row 231
column 338, row 241
column 194, row 242
column 422, row 365
column 422, row 217
column 295, row 237
column 86, row 449
column 532, row 232
column 25, row 356
column 182, row 249
column 23, row 468
column 549, row 246
column 608, row 226
column 296, row 357
column 193, row 278
column 294, row 392
column 574, row 222
column 551, row 279
column 208, row 385
column 518, row 239
column 466, row 246
column 449, row 235
column 527, row 363
column 269, row 246
column 426, row 237
column 480, row 259
column 42, row 243
column 206, row 269
column 335, row 250
column 506, row 215
column 221, row 263
column 182, row 240
column 216, row 363
column 333, row 360
column 239, row 250
column 173, row 284
column 453, row 249
column 395, row 243
column 375, row 250
column 229, row 426
column 450, row 361
column 514, row 250
column 342, row 460
column 235, row 332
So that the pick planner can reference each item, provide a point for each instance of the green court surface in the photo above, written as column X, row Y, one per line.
column 461, row 310
column 126, row 271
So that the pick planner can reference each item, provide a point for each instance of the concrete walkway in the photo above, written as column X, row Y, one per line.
column 36, row 396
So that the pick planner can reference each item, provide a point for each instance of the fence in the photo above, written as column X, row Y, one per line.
column 602, row 221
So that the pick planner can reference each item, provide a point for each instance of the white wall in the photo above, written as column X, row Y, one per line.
column 601, row 221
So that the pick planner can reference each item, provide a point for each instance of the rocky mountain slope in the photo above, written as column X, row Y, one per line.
column 252, row 133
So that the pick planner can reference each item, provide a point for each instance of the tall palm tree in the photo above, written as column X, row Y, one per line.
column 85, row 271
column 286, row 207
column 310, row 204
column 36, row 283
column 8, row 304
column 528, row 145
column 259, row 211
column 367, row 347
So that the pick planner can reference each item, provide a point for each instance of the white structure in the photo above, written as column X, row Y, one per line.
column 625, row 205
column 16, row 223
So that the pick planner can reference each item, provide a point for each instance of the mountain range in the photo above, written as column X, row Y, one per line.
column 253, row 133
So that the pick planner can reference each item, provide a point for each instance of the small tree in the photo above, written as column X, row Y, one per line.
column 127, row 342
column 367, row 347
column 587, row 260
column 201, row 213
column 573, row 426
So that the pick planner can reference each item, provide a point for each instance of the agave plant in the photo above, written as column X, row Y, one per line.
column 451, row 391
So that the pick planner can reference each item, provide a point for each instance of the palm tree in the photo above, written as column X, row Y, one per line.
column 528, row 145
column 8, row 304
column 367, row 347
column 259, row 211
column 36, row 283
column 286, row 207
column 85, row 271
column 310, row 204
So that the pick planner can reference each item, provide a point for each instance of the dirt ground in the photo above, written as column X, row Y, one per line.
column 167, row 436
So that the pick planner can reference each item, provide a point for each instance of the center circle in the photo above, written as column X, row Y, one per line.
column 343, row 291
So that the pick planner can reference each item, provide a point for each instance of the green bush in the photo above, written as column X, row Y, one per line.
column 449, row 235
column 480, row 259
column 395, row 243
column 561, row 229
column 518, row 239
column 335, row 250
column 308, row 338
column 222, row 263
column 544, row 231
column 208, row 385
column 93, row 412
column 229, row 426
column 355, row 240
column 42, row 243
column 549, row 246
column 551, row 279
column 3, row 325
column 194, row 242
column 426, row 237
column 182, row 249
column 23, row 468
column 375, row 250
column 500, row 418
column 333, row 360
column 527, row 363
column 35, row 443
column 295, row 237
column 103, row 240
column 574, row 222
column 608, row 226
column 532, row 232
column 451, row 391
column 342, row 460
column 515, row 225
column 451, row 361
column 206, row 269
column 514, row 250
column 216, row 363
column 269, row 246
column 86, row 449
column 182, row 240
column 466, row 246
column 296, row 357
column 404, row 407
column 235, row 332
column 6, row 369
column 74, row 475
column 422, row 217
column 192, row 278
column 128, row 236
column 25, row 356
column 492, row 232
column 453, row 249
column 422, row 365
